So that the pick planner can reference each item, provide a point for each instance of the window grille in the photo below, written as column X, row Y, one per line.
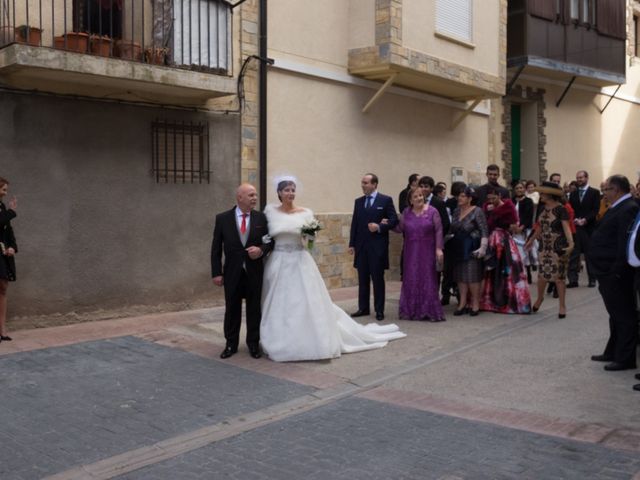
column 180, row 151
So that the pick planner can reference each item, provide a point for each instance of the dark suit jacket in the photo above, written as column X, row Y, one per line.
column 587, row 208
column 402, row 199
column 607, row 250
column 525, row 212
column 226, row 238
column 365, row 242
column 441, row 207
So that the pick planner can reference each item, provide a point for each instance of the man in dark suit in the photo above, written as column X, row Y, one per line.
column 369, row 243
column 426, row 184
column 615, row 276
column 402, row 198
column 241, row 233
column 493, row 173
column 633, row 257
column 585, row 202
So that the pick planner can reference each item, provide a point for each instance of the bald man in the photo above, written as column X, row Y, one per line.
column 240, row 234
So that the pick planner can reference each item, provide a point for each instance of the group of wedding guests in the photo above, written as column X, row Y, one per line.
column 496, row 238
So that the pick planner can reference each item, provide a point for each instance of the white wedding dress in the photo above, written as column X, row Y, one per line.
column 299, row 320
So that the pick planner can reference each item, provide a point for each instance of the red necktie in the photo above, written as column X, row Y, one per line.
column 243, row 225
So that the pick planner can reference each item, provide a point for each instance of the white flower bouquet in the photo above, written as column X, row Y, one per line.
column 309, row 231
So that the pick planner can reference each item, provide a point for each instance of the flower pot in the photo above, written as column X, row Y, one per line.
column 156, row 56
column 100, row 45
column 29, row 35
column 75, row 42
column 128, row 50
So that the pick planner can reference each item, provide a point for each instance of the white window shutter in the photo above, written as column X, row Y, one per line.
column 455, row 18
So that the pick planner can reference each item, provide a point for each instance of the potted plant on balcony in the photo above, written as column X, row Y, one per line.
column 100, row 45
column 73, row 41
column 128, row 50
column 156, row 55
column 29, row 35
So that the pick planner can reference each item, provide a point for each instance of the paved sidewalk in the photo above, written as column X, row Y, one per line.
column 493, row 396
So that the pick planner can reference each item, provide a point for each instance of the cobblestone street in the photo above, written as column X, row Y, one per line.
column 470, row 398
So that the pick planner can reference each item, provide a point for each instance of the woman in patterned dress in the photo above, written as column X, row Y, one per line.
column 505, row 288
column 555, row 243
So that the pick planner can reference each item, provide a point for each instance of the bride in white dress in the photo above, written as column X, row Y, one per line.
column 299, row 320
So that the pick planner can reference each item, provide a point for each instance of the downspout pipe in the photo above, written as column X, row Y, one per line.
column 262, row 98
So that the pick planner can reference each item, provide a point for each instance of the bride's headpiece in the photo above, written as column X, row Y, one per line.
column 277, row 179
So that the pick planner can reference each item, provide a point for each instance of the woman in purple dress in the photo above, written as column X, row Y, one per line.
column 423, row 245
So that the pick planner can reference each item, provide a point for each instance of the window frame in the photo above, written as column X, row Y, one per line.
column 449, row 34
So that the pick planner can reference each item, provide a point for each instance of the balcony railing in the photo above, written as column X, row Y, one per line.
column 192, row 34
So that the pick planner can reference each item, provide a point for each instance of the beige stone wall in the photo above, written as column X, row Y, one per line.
column 249, row 134
column 362, row 24
column 419, row 34
column 309, row 30
column 331, row 252
column 318, row 132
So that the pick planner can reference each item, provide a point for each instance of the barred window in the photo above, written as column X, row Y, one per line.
column 180, row 151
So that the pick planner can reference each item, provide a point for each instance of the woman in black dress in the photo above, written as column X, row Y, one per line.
column 8, row 249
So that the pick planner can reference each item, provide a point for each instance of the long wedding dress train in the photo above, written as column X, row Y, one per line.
column 299, row 319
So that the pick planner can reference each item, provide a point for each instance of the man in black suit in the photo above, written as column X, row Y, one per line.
column 633, row 257
column 493, row 173
column 585, row 203
column 242, row 234
column 402, row 198
column 426, row 184
column 369, row 243
column 615, row 276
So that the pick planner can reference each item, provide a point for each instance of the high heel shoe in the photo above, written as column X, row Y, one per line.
column 535, row 308
column 460, row 312
column 562, row 315
column 6, row 338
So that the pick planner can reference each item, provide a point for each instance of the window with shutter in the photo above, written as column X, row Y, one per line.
column 611, row 18
column 543, row 8
column 455, row 18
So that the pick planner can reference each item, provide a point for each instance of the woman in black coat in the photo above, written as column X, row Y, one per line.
column 8, row 249
column 521, row 231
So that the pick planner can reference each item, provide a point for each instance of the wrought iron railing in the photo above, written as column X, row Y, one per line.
column 180, row 33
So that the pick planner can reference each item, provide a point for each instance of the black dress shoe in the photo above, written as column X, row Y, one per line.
column 379, row 316
column 615, row 366
column 255, row 352
column 572, row 284
column 636, row 387
column 601, row 358
column 360, row 313
column 6, row 338
column 228, row 351
column 637, row 376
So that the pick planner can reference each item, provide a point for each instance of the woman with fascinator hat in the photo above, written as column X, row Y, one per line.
column 299, row 319
column 553, row 233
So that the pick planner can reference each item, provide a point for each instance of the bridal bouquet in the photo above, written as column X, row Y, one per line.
column 309, row 231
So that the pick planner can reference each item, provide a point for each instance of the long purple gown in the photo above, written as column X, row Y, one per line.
column 419, row 298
